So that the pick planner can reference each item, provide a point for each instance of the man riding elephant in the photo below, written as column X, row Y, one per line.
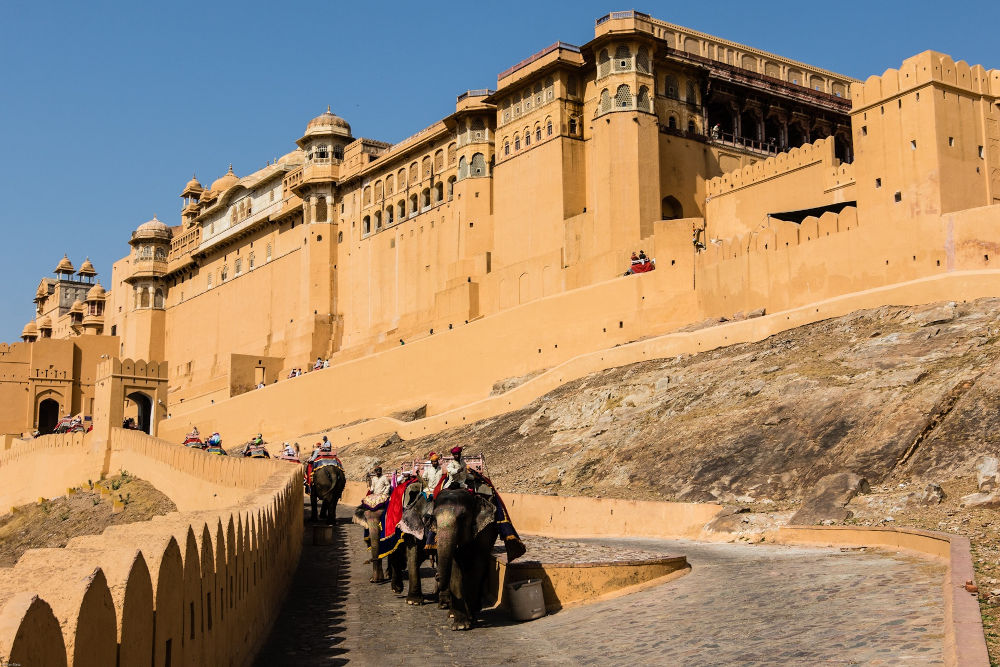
column 371, row 516
column 214, row 445
column 327, row 484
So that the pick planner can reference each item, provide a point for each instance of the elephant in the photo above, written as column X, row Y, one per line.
column 410, row 555
column 327, row 485
column 466, row 532
column 372, row 520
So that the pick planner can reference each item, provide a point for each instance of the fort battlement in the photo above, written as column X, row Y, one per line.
column 819, row 152
column 929, row 67
column 197, row 587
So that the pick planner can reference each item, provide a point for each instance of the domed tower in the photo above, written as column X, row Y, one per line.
column 326, row 136
column 146, row 320
column 87, row 272
column 64, row 270
column 191, row 194
column 45, row 327
column 30, row 332
column 93, row 318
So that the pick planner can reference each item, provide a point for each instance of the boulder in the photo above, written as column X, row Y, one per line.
column 393, row 439
column 984, row 500
column 697, row 496
column 987, row 474
column 410, row 415
column 932, row 494
column 829, row 499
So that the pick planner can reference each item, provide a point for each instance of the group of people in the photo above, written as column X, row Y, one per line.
column 640, row 263
column 455, row 475
column 256, row 448
column 320, row 364
column 322, row 455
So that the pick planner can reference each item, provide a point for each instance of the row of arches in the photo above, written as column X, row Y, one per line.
column 147, row 297
column 672, row 89
column 771, row 131
column 528, row 98
column 624, row 99
column 416, row 172
column 541, row 129
column 404, row 208
column 623, row 61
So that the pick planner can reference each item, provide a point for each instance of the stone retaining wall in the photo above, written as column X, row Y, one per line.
column 195, row 587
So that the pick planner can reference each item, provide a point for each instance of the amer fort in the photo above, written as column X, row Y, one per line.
column 618, row 237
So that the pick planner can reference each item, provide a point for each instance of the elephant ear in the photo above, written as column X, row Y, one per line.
column 412, row 521
column 486, row 514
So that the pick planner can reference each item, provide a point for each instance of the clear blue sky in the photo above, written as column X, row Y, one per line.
column 106, row 108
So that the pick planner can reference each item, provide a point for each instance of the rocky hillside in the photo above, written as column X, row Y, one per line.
column 893, row 392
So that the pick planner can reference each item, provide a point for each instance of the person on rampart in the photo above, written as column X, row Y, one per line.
column 457, row 470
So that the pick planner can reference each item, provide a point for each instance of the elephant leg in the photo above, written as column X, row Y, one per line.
column 313, row 501
column 414, row 556
column 378, row 575
column 397, row 561
column 462, row 618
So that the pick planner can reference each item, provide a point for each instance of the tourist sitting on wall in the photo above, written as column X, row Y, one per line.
column 326, row 363
column 319, row 364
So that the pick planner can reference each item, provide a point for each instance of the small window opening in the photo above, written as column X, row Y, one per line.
column 980, row 152
column 939, row 262
column 898, row 197
column 621, row 325
column 878, row 183
column 951, row 141
column 913, row 144
column 864, row 130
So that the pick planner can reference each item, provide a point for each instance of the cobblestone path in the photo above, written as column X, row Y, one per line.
column 739, row 605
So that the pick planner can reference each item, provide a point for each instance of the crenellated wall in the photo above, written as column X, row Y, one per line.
column 195, row 587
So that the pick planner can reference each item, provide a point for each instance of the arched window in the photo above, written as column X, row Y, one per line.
column 623, row 58
column 338, row 152
column 605, row 101
column 267, row 256
column 366, row 225
column 527, row 137
column 158, row 299
column 225, row 273
column 642, row 60
column 517, row 142
column 160, row 254
column 340, row 237
column 478, row 130
column 401, row 209
column 413, row 205
column 670, row 88
column 388, row 215
column 672, row 123
column 238, row 266
column 538, row 132
column 401, row 178
column 538, row 94
column 439, row 192
column 439, row 161
column 366, row 198
column 642, row 100
column 451, row 187
column 692, row 126
column 478, row 165
column 378, row 190
column 413, row 174
column 426, row 167
column 690, row 96
column 623, row 96
column 378, row 220
column 463, row 164
column 572, row 126
column 451, row 153
column 571, row 85
column 603, row 64
column 506, row 146
column 425, row 197
column 548, row 127
column 388, row 184
column 144, row 294
column 251, row 260
column 321, row 211
column 550, row 89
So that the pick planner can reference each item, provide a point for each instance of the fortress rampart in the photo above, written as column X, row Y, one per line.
column 921, row 69
column 196, row 587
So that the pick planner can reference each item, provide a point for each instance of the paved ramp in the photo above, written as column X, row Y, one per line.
column 739, row 605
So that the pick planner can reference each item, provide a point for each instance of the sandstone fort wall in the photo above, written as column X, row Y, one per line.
column 194, row 587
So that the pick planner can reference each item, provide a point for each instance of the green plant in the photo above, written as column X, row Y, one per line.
column 96, row 501
column 90, row 482
column 63, row 516
column 116, row 484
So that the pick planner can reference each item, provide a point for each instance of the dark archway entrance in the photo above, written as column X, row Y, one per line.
column 144, row 410
column 48, row 416
column 670, row 209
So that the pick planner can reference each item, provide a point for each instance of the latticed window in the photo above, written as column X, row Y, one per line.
column 367, row 196
column 251, row 260
column 526, row 99
column 603, row 64
column 389, row 181
column 548, row 127
column 478, row 165
column 550, row 89
column 378, row 190
column 426, row 166
column 690, row 95
column 267, row 255
column 160, row 254
column 463, row 168
column 623, row 58
column 670, row 87
column 225, row 273
column 527, row 137
column 623, row 96
column 538, row 94
column 413, row 173
column 478, row 129
column 642, row 60
column 538, row 133
column 238, row 266
column 209, row 279
column 642, row 103
column 571, row 85
column 401, row 177
column 439, row 160
column 452, row 154
column 506, row 147
column 517, row 142
column 605, row 101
